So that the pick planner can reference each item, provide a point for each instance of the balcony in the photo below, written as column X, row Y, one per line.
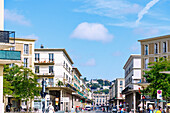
column 50, row 84
column 44, row 61
column 9, row 57
column 7, row 39
column 45, row 74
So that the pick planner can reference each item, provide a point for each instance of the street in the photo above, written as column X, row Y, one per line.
column 93, row 112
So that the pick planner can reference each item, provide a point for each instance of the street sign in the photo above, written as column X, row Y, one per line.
column 159, row 94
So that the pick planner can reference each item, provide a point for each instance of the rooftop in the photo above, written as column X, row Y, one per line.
column 55, row 49
column 130, row 58
column 154, row 38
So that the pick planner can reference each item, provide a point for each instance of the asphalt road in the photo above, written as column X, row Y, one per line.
column 94, row 112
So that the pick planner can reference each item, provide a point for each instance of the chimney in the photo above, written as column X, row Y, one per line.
column 2, row 15
column 41, row 46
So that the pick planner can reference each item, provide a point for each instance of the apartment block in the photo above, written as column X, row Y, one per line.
column 54, row 65
column 6, row 57
column 152, row 49
column 132, row 70
column 117, row 98
column 100, row 99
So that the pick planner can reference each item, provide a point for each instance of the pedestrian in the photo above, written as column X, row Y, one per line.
column 150, row 109
column 8, row 108
column 51, row 108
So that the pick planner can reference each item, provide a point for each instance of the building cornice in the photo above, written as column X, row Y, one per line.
column 55, row 49
column 77, row 71
column 23, row 39
column 130, row 58
column 154, row 38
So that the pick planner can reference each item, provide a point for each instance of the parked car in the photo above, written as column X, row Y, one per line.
column 88, row 108
column 114, row 109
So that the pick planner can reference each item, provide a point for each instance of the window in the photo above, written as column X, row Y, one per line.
column 164, row 57
column 64, row 75
column 50, row 80
column 25, row 62
column 121, row 88
column 164, row 47
column 50, row 69
column 36, row 69
column 156, row 48
column 26, row 48
column 66, row 66
column 146, row 63
column 121, row 82
column 37, row 57
column 51, row 57
column 38, row 80
column 11, row 65
column 156, row 59
column 12, row 48
column 146, row 49
column 67, row 77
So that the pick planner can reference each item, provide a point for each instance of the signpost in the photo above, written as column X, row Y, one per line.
column 159, row 94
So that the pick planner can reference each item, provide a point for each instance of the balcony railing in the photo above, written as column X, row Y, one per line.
column 50, row 84
column 10, row 55
column 5, row 35
column 44, row 61
column 45, row 74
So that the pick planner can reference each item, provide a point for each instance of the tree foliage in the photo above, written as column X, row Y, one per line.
column 20, row 82
column 158, row 81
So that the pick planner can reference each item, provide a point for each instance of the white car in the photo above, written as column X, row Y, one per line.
column 88, row 108
column 114, row 109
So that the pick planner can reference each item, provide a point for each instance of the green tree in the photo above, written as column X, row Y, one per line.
column 60, row 83
column 22, row 81
column 100, row 81
column 158, row 81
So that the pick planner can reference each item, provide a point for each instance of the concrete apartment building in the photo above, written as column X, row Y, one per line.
column 6, row 57
column 76, row 84
column 132, row 70
column 54, row 65
column 100, row 99
column 26, row 46
column 152, row 49
column 117, row 98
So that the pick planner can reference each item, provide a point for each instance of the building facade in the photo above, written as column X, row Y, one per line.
column 152, row 49
column 26, row 47
column 55, row 67
column 6, row 57
column 100, row 99
column 117, row 98
column 132, row 70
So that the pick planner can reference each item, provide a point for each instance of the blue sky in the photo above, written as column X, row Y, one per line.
column 99, row 35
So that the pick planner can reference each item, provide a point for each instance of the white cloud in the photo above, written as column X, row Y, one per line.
column 117, row 53
column 145, row 10
column 90, row 62
column 13, row 16
column 109, row 8
column 32, row 36
column 92, row 31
